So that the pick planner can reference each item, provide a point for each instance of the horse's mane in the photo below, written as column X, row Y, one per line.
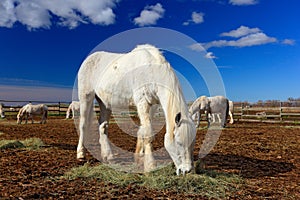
column 154, row 51
column 196, row 103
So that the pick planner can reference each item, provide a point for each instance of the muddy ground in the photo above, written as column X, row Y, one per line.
column 266, row 156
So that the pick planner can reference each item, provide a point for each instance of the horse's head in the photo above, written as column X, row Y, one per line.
column 182, row 146
column 20, row 116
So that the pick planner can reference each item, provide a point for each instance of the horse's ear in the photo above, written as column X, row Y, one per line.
column 178, row 119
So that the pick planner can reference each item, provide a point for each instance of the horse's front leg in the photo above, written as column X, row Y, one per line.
column 208, row 118
column 145, row 136
column 198, row 119
column 26, row 119
column 86, row 114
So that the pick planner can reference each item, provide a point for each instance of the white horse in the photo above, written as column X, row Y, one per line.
column 74, row 107
column 144, row 77
column 211, row 106
column 29, row 110
column 230, row 113
column 2, row 114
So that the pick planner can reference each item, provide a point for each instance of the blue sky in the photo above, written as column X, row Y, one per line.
column 253, row 43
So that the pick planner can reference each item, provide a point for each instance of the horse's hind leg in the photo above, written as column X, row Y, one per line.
column 44, row 117
column 106, row 152
column 43, row 121
column 145, row 136
column 86, row 114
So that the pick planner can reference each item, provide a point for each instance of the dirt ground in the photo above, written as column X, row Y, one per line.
column 266, row 156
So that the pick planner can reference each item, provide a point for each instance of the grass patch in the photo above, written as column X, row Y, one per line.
column 31, row 143
column 11, row 144
column 209, row 184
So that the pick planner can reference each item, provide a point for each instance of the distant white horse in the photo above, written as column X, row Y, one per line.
column 2, row 114
column 142, row 76
column 211, row 106
column 29, row 110
column 74, row 107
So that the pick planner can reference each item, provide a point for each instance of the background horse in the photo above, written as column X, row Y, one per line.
column 211, row 106
column 2, row 114
column 29, row 110
column 144, row 77
column 74, row 107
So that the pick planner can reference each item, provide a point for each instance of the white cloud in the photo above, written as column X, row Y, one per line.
column 7, row 13
column 288, row 42
column 196, row 18
column 241, row 31
column 246, row 41
column 37, row 14
column 243, row 2
column 245, row 37
column 210, row 55
column 150, row 15
column 33, row 15
column 197, row 47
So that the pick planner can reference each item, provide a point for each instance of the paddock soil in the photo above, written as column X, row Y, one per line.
column 266, row 156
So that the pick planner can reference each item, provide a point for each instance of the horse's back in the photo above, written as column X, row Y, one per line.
column 103, row 63
column 218, row 103
column 108, row 74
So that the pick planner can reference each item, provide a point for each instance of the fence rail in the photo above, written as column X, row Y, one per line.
column 280, row 112
column 54, row 108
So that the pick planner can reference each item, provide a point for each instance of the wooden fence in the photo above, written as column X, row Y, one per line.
column 275, row 112
column 54, row 108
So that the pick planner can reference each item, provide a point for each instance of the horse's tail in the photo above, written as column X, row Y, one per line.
column 46, row 113
column 227, row 111
column 45, row 108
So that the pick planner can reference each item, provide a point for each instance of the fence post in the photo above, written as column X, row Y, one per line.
column 242, row 111
column 280, row 111
column 59, row 108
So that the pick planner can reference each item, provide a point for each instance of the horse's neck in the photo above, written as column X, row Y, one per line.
column 172, row 104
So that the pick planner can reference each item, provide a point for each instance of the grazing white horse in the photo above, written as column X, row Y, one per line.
column 144, row 77
column 74, row 107
column 29, row 110
column 2, row 114
column 211, row 106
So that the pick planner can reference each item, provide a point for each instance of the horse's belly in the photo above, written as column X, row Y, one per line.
column 114, row 97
